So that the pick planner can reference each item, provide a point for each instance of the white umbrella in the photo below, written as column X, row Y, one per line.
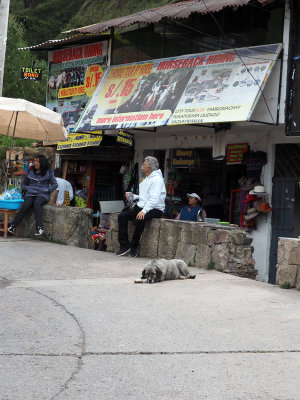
column 23, row 119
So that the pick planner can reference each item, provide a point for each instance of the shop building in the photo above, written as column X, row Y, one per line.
column 156, row 35
column 95, row 162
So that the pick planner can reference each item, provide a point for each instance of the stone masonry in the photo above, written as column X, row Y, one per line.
column 288, row 262
column 66, row 225
column 198, row 244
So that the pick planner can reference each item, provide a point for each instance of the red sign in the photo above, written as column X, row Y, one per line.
column 235, row 152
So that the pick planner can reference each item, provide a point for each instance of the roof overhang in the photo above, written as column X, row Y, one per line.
column 75, row 39
column 221, row 86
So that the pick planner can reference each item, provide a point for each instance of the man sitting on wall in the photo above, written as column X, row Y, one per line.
column 150, row 204
column 193, row 211
column 65, row 190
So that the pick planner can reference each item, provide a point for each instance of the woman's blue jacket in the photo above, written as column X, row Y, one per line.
column 35, row 184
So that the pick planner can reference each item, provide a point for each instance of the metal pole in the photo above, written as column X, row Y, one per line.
column 4, row 12
column 11, row 146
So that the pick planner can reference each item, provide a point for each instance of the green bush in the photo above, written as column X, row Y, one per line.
column 210, row 265
column 285, row 285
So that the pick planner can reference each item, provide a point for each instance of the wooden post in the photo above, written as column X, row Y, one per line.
column 65, row 169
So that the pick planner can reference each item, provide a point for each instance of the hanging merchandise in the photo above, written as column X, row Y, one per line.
column 250, row 198
column 172, row 185
column 254, row 161
column 133, row 184
column 264, row 207
column 258, row 190
column 251, row 214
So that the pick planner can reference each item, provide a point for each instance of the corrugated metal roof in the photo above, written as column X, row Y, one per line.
column 57, row 43
column 173, row 11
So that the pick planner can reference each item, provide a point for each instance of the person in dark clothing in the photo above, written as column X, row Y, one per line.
column 37, row 185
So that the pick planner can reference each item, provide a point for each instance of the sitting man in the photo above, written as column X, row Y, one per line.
column 151, row 204
column 192, row 212
column 65, row 190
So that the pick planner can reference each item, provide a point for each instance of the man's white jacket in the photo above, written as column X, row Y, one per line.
column 152, row 192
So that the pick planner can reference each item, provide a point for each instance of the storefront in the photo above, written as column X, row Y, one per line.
column 103, row 170
column 196, row 114
column 93, row 163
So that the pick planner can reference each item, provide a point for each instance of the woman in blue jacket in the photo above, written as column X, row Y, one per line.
column 37, row 185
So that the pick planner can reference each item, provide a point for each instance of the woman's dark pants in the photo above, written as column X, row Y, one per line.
column 128, row 215
column 31, row 201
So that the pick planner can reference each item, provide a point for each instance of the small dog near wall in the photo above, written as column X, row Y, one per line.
column 165, row 270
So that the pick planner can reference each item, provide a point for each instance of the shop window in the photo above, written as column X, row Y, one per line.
column 287, row 160
column 105, row 184
column 293, row 92
column 203, row 178
column 132, row 46
column 250, row 25
column 293, row 116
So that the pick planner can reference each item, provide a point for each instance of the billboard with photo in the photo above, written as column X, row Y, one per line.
column 73, row 75
column 222, row 86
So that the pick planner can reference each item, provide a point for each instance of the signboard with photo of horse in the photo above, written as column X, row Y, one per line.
column 220, row 86
column 73, row 75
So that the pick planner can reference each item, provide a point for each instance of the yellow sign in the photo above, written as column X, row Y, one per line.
column 71, row 91
column 79, row 140
column 92, row 76
column 116, row 93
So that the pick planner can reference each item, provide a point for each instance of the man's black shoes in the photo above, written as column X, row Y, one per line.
column 123, row 251
column 133, row 252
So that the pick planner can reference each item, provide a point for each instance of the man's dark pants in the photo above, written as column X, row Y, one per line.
column 128, row 215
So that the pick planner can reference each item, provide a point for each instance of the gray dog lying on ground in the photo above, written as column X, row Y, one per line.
column 164, row 270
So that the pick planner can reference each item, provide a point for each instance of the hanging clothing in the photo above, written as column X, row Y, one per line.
column 219, row 146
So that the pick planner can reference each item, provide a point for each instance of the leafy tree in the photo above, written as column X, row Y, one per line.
column 13, row 85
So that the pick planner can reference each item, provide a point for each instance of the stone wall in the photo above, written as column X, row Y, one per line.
column 198, row 244
column 66, row 225
column 288, row 262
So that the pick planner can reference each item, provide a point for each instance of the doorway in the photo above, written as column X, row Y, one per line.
column 285, row 199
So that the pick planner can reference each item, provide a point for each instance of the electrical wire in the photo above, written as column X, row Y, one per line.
column 235, row 50
column 249, row 72
column 212, row 36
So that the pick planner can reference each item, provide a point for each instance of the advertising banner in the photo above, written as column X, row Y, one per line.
column 125, row 138
column 222, row 86
column 183, row 158
column 235, row 152
column 76, row 141
column 73, row 75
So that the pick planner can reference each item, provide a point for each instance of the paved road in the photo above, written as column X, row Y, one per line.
column 75, row 326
